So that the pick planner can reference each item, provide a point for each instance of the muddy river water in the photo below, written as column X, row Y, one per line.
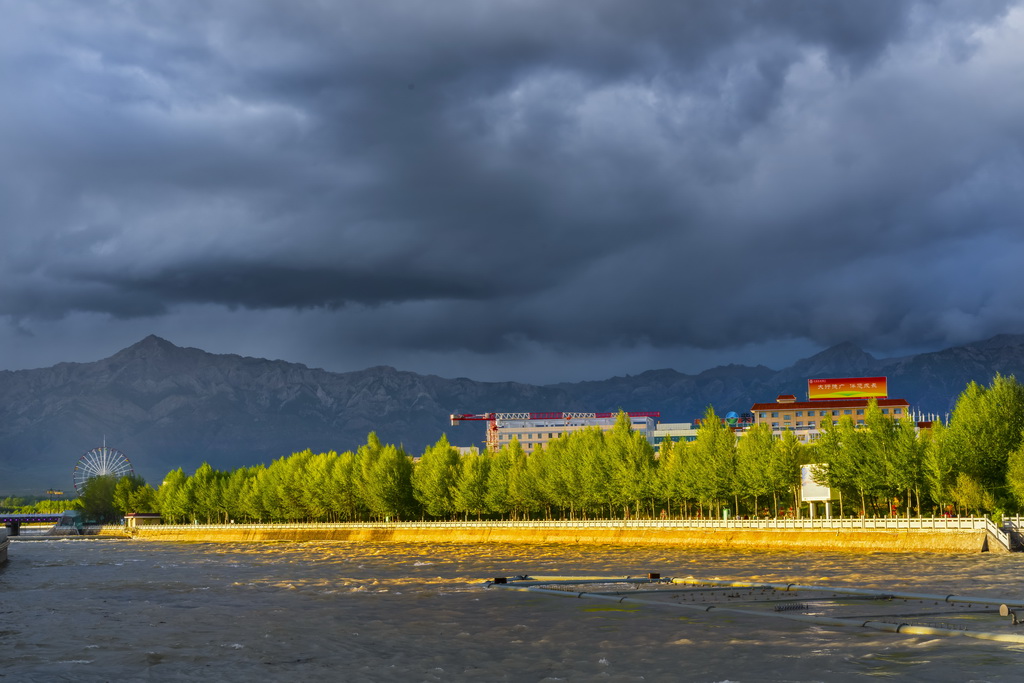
column 119, row 610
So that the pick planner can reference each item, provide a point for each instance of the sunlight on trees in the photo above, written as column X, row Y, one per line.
column 884, row 466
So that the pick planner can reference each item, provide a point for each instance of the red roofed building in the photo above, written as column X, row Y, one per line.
column 806, row 418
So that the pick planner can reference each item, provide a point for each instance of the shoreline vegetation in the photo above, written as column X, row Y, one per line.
column 876, row 467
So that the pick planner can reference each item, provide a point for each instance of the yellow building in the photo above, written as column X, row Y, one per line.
column 806, row 418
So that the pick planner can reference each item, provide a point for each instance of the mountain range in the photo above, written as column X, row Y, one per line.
column 167, row 407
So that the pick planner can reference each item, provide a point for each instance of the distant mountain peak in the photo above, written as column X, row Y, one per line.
column 841, row 359
column 149, row 348
column 152, row 342
column 841, row 353
column 844, row 349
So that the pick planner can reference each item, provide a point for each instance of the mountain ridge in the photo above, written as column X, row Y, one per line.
column 168, row 406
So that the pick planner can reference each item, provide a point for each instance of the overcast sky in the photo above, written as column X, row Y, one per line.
column 525, row 190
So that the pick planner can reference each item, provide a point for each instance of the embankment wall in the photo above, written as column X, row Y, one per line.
column 736, row 539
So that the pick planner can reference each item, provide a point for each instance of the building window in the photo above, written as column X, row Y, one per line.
column 860, row 411
column 897, row 411
column 885, row 411
column 762, row 415
column 810, row 424
column 847, row 412
column 799, row 423
column 799, row 413
column 860, row 423
column 835, row 412
column 775, row 425
column 775, row 414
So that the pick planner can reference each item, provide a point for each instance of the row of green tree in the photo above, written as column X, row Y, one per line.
column 103, row 500
column 883, row 466
column 974, row 464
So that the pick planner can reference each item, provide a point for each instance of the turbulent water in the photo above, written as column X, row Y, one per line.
column 104, row 610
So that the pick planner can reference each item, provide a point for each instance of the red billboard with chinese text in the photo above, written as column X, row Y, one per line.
column 846, row 387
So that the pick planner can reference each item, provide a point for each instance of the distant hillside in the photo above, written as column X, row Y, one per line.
column 169, row 407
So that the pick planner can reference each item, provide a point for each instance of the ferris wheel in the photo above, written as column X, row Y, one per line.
column 100, row 462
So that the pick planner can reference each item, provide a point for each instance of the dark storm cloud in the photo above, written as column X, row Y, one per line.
column 577, row 175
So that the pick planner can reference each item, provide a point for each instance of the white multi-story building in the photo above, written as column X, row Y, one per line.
column 534, row 430
column 677, row 431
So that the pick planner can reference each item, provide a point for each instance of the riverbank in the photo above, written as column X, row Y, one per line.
column 280, row 612
column 611, row 533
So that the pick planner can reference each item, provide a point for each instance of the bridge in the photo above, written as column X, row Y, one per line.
column 68, row 518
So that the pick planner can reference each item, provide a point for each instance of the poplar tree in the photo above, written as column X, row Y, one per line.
column 985, row 427
column 435, row 478
column 939, row 467
column 714, row 460
column 318, row 490
column 834, row 449
column 97, row 498
column 1015, row 474
column 343, row 492
column 542, row 475
column 631, row 460
column 205, row 493
column 670, row 477
column 497, row 496
column 366, row 458
column 133, row 494
column 866, row 472
column 388, row 484
column 878, row 464
column 587, row 447
column 281, row 488
column 755, row 453
column 173, row 498
column 905, row 468
column 250, row 503
column 522, row 494
column 565, row 474
column 784, row 466
column 471, row 492
column 241, row 491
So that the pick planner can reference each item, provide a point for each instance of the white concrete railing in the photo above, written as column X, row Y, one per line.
column 872, row 523
column 999, row 534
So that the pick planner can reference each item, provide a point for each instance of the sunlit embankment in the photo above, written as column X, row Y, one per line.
column 639, row 532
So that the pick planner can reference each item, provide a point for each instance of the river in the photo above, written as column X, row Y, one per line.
column 106, row 610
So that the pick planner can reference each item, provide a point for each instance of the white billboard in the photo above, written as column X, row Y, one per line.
column 810, row 490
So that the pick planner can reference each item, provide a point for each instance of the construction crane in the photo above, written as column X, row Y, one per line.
column 493, row 420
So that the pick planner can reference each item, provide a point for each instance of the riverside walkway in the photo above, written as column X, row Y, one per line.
column 926, row 534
